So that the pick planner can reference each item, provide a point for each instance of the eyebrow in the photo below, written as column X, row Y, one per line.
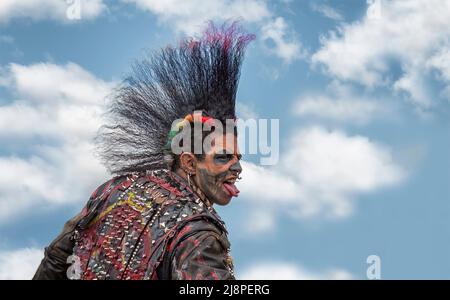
column 239, row 156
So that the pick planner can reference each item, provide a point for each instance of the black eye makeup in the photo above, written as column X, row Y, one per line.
column 224, row 158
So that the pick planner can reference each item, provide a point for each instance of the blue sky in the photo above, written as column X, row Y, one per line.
column 361, row 89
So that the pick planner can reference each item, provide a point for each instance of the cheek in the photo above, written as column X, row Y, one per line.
column 211, row 180
column 221, row 172
column 217, row 170
column 218, row 175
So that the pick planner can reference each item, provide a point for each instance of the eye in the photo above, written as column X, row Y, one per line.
column 224, row 156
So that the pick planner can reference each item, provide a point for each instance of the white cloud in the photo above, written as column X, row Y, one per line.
column 49, row 9
column 349, row 110
column 413, row 35
column 245, row 111
column 284, row 47
column 20, row 264
column 320, row 175
column 332, row 160
column 37, row 82
column 289, row 271
column 55, row 124
column 327, row 11
column 278, row 186
column 413, row 82
column 440, row 61
column 6, row 39
column 189, row 17
column 260, row 221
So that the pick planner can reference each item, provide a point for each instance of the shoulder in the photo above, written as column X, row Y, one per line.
column 98, row 198
column 201, row 229
column 200, row 253
column 106, row 187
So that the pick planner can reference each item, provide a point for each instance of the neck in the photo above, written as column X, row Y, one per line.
column 191, row 184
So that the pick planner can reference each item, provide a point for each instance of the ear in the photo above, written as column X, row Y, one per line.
column 188, row 162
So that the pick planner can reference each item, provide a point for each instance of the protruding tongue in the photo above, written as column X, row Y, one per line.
column 232, row 189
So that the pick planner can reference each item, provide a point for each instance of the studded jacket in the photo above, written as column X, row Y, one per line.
column 141, row 226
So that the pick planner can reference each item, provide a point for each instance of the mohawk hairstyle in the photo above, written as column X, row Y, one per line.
column 167, row 85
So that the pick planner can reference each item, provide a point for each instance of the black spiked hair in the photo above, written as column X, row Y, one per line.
column 199, row 74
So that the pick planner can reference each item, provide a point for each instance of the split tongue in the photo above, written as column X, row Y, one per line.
column 232, row 189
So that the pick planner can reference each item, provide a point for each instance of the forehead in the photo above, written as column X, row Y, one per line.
column 227, row 143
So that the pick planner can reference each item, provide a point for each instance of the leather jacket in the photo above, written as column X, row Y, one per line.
column 141, row 226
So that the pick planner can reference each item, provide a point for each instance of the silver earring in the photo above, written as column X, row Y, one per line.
column 189, row 178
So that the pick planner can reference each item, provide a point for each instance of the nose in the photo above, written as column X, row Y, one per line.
column 236, row 167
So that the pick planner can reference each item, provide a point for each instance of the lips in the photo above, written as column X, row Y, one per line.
column 230, row 187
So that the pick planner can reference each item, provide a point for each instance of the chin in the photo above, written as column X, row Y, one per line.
column 223, row 201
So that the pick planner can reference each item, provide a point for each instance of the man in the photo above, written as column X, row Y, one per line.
column 156, row 219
